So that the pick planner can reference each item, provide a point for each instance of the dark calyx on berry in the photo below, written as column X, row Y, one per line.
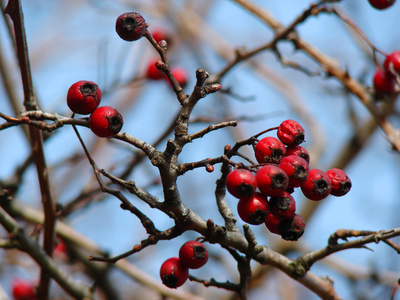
column 292, row 229
column 130, row 26
column 88, row 89
column 115, row 122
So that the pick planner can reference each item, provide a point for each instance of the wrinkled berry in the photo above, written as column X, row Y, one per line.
column 130, row 26
column 296, row 169
column 341, row 183
column 269, row 150
column 282, row 206
column 317, row 185
column 254, row 209
column 290, row 132
column 293, row 228
column 299, row 151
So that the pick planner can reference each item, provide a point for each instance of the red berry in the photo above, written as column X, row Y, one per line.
column 153, row 72
column 23, row 290
column 381, row 4
column 384, row 82
column 254, row 209
column 341, row 183
column 272, row 223
column 293, row 228
column 130, row 26
column 193, row 255
column 105, row 121
column 83, row 97
column 296, row 168
column 269, row 150
column 317, row 185
column 392, row 63
column 241, row 183
column 180, row 75
column 173, row 274
column 282, row 206
column 290, row 132
column 299, row 151
column 271, row 180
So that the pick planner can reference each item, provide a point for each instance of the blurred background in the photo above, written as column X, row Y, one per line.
column 76, row 40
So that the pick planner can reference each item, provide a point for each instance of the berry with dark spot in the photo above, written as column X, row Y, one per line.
column 292, row 229
column 130, row 26
column 341, row 183
column 317, row 185
column 241, row 183
column 83, row 97
column 271, row 180
column 269, row 150
column 282, row 206
column 193, row 255
column 290, row 132
column 296, row 169
column 254, row 209
column 173, row 274
column 105, row 121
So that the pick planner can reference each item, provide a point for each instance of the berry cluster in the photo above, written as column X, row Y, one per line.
column 385, row 79
column 83, row 98
column 283, row 166
column 175, row 270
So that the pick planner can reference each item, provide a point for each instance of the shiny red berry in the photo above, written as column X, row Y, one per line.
column 271, row 180
column 381, row 4
column 282, row 206
column 269, row 150
column 254, row 209
column 105, row 121
column 341, row 183
column 392, row 63
column 290, row 132
column 317, row 185
column 130, row 26
column 23, row 290
column 83, row 97
column 293, row 228
column 296, row 168
column 173, row 274
column 193, row 255
column 153, row 72
column 241, row 183
column 384, row 82
column 299, row 151
column 272, row 223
